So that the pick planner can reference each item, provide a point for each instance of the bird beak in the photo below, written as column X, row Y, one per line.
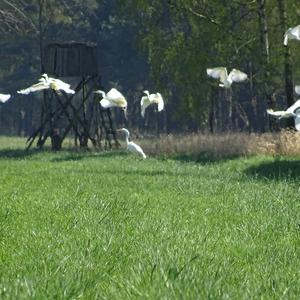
column 125, row 112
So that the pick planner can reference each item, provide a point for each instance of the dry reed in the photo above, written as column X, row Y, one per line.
column 225, row 144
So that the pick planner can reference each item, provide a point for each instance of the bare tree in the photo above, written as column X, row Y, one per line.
column 13, row 18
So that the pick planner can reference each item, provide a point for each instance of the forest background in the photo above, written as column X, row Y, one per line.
column 159, row 45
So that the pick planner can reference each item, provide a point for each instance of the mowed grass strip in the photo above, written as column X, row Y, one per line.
column 109, row 226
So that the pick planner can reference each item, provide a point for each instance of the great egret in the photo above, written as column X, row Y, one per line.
column 46, row 82
column 225, row 78
column 113, row 99
column 149, row 99
column 292, row 111
column 293, row 33
column 131, row 146
column 4, row 97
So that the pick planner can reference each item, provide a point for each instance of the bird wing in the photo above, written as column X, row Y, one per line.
column 280, row 114
column 277, row 114
column 106, row 103
column 297, row 121
column 145, row 102
column 296, row 32
column 237, row 75
column 114, row 94
column 160, row 102
column 4, row 97
column 136, row 149
column 293, row 107
column 292, row 33
column 286, row 37
column 116, row 97
column 218, row 73
column 61, row 85
column 34, row 88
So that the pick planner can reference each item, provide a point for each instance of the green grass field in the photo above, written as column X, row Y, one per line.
column 109, row 226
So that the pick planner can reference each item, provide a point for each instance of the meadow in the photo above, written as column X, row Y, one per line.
column 106, row 225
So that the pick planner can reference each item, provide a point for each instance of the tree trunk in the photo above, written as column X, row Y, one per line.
column 212, row 111
column 287, row 56
column 229, row 121
column 264, row 38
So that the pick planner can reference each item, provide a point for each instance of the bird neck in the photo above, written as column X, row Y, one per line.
column 127, row 137
column 147, row 93
column 102, row 94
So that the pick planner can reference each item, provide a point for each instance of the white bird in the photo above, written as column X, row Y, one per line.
column 131, row 146
column 149, row 99
column 4, row 97
column 113, row 99
column 293, row 33
column 46, row 82
column 226, row 80
column 292, row 111
column 297, row 89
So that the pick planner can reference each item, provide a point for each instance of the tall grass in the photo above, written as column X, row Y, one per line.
column 225, row 144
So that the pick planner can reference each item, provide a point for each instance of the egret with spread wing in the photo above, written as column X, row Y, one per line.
column 150, row 99
column 113, row 99
column 46, row 82
column 4, row 97
column 131, row 146
column 292, row 111
column 226, row 79
column 293, row 33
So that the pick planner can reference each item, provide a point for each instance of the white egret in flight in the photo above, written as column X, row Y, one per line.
column 131, row 146
column 149, row 99
column 113, row 99
column 293, row 33
column 225, row 78
column 46, row 82
column 4, row 97
column 292, row 111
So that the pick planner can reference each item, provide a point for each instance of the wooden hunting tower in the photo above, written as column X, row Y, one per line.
column 80, row 112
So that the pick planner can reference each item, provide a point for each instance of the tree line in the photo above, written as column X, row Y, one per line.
column 159, row 45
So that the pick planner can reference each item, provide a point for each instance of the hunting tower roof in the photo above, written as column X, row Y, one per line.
column 70, row 59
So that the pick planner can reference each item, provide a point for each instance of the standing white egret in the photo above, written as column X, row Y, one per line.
column 293, row 33
column 113, row 99
column 4, row 97
column 131, row 146
column 292, row 111
column 225, row 78
column 46, row 82
column 150, row 99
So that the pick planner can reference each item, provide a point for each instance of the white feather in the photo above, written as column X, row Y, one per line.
column 297, row 89
column 46, row 82
column 131, row 146
column 226, row 79
column 292, row 111
column 112, row 99
column 151, row 99
column 293, row 33
column 4, row 97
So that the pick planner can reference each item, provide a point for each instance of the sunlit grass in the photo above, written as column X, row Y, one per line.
column 108, row 226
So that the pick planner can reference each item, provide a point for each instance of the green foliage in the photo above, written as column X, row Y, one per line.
column 107, row 225
column 156, row 45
